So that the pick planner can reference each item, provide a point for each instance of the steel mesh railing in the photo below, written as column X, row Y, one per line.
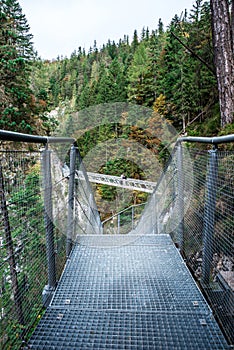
column 23, row 272
column 164, row 210
column 87, row 215
column 209, row 233
column 124, row 221
column 83, row 215
column 194, row 202
column 38, row 210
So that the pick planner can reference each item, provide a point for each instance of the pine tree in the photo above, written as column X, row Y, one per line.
column 84, row 98
column 135, row 41
column 140, row 77
column 118, row 81
column 156, row 45
column 16, row 52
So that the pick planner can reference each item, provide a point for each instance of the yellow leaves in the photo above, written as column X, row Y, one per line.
column 182, row 30
column 185, row 35
column 160, row 105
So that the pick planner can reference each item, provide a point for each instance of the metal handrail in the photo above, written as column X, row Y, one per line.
column 122, row 211
column 19, row 137
column 211, row 140
column 16, row 136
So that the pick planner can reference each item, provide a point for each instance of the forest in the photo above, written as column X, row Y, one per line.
column 171, row 70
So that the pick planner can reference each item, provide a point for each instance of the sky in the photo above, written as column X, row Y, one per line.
column 60, row 26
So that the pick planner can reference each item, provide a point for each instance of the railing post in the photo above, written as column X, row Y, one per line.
column 132, row 217
column 209, row 215
column 70, row 214
column 49, row 226
column 118, row 224
column 89, row 211
column 180, row 196
column 155, row 225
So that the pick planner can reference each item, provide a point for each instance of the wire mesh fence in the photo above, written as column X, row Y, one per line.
column 23, row 266
column 209, row 232
column 36, row 216
column 124, row 221
column 194, row 202
column 87, row 218
column 165, row 209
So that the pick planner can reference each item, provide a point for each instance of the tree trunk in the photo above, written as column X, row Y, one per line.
column 232, row 24
column 223, row 55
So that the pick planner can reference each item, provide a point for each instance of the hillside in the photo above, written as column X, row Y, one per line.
column 158, row 77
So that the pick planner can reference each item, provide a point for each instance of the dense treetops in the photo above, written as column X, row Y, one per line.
column 16, row 51
column 171, row 69
column 152, row 68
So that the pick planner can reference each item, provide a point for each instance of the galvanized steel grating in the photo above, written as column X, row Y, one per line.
column 106, row 329
column 131, row 296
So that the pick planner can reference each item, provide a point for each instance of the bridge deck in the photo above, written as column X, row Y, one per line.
column 127, row 293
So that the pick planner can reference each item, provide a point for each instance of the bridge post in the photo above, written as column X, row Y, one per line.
column 209, row 215
column 180, row 196
column 49, row 226
column 155, row 225
column 133, row 217
column 70, row 214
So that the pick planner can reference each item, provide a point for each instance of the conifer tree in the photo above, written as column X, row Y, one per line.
column 118, row 81
column 156, row 45
column 16, row 52
column 140, row 77
column 135, row 41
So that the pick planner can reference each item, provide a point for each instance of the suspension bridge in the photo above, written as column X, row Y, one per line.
column 116, row 181
column 154, row 276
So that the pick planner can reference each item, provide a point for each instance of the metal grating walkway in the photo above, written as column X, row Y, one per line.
column 127, row 293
